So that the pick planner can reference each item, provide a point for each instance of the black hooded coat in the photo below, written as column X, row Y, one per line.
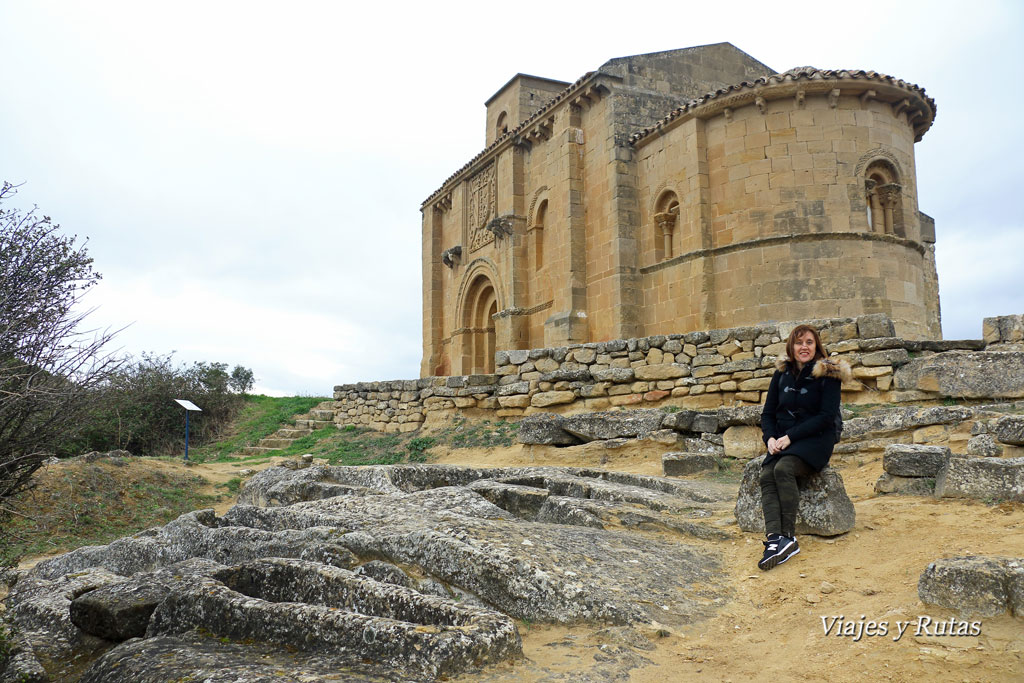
column 803, row 406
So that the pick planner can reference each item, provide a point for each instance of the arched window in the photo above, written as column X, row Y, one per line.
column 502, row 126
column 884, row 199
column 538, row 235
column 666, row 216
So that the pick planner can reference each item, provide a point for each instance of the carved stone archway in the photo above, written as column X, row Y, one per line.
column 478, row 333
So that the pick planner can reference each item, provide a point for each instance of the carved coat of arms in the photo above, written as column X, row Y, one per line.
column 483, row 196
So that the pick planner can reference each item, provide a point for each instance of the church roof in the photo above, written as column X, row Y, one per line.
column 803, row 73
column 795, row 75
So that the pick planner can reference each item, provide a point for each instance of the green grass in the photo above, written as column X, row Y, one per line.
column 261, row 416
column 462, row 433
column 95, row 503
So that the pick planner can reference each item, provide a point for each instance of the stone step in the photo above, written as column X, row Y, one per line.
column 324, row 415
column 325, row 405
column 320, row 424
column 275, row 442
column 290, row 433
column 304, row 423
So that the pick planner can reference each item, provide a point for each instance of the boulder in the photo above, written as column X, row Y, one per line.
column 914, row 460
column 824, row 508
column 1010, row 430
column 975, row 586
column 544, row 429
column 982, row 478
column 681, row 464
column 963, row 374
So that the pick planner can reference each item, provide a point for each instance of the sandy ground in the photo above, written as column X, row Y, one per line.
column 772, row 628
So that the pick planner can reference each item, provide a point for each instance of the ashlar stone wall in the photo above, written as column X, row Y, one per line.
column 698, row 370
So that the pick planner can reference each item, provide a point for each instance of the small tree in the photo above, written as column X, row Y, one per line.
column 47, row 363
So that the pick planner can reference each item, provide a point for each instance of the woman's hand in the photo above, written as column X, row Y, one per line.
column 782, row 444
column 772, row 445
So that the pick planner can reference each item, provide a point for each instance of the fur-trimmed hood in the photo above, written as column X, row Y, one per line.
column 823, row 367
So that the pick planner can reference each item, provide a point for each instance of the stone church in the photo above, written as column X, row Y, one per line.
column 677, row 191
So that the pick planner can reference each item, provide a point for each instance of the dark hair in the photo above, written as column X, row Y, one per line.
column 799, row 331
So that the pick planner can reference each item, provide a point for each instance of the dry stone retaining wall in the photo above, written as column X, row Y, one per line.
column 704, row 369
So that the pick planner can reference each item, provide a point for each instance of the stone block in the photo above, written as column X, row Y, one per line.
column 894, row 357
column 749, row 396
column 618, row 375
column 963, row 374
column 1003, row 329
column 656, row 395
column 544, row 429
column 991, row 479
column 912, row 460
column 659, row 372
column 546, row 364
column 1009, row 429
column 517, row 401
column 975, row 586
column 705, row 422
column 544, row 399
column 875, row 325
column 665, row 437
column 626, row 399
column 465, row 402
column 681, row 464
column 756, row 384
column 585, row 356
column 862, row 372
column 984, row 446
column 518, row 356
column 824, row 508
column 918, row 486
column 708, row 359
column 743, row 442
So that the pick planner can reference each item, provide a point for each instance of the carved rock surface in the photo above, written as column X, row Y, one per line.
column 982, row 586
column 326, row 584
column 982, row 478
column 901, row 419
column 824, row 509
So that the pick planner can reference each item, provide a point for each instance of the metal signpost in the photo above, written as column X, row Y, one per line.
column 189, row 406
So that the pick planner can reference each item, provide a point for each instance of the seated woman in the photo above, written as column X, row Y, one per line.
column 799, row 427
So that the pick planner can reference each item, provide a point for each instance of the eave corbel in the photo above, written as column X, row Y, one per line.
column 800, row 95
column 867, row 96
column 833, row 98
column 451, row 256
column 900, row 106
column 762, row 105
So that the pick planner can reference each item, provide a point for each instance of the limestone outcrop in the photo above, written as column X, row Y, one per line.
column 418, row 569
column 824, row 509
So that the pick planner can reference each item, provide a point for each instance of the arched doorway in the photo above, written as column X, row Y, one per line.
column 480, row 305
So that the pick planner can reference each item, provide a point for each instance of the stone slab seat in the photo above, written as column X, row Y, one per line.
column 310, row 606
column 824, row 509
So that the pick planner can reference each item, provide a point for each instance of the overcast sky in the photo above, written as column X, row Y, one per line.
column 249, row 174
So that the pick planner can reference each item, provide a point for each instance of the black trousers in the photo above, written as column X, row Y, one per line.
column 780, row 494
